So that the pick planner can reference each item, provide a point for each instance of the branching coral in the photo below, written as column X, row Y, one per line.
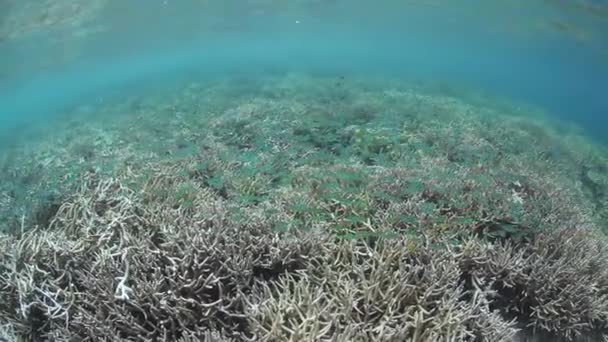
column 299, row 228
column 384, row 294
column 557, row 284
column 128, row 277
column 148, row 272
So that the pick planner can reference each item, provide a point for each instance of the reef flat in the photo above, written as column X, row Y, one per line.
column 303, row 208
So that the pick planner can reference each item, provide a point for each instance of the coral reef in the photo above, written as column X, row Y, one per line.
column 111, row 268
column 367, row 214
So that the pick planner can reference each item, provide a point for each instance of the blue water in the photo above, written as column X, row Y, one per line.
column 497, row 49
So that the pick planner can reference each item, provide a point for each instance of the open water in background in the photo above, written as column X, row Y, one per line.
column 552, row 54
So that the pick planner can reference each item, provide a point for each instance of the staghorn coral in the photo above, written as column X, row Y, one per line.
column 118, row 275
column 140, row 272
column 556, row 284
column 244, row 238
column 384, row 294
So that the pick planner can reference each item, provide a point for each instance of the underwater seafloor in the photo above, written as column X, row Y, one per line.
column 300, row 207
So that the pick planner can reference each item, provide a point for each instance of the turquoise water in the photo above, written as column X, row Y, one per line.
column 547, row 53
column 306, row 170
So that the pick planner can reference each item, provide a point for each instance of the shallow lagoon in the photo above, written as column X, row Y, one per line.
column 303, row 171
